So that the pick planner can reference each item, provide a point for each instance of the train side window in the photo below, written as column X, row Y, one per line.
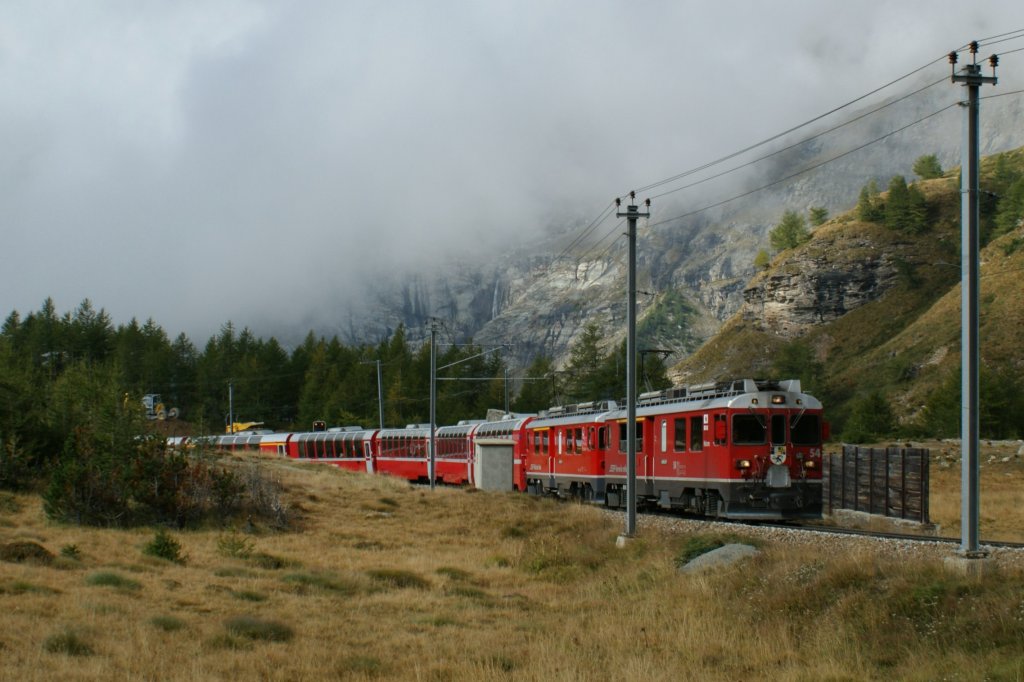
column 536, row 442
column 579, row 440
column 679, row 428
column 624, row 442
column 696, row 433
column 778, row 429
column 544, row 442
column 602, row 438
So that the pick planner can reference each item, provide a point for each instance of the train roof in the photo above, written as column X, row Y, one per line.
column 411, row 431
column 460, row 429
column 738, row 393
column 503, row 426
column 575, row 414
column 344, row 434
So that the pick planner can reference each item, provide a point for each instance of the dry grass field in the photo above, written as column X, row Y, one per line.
column 377, row 580
column 1001, row 500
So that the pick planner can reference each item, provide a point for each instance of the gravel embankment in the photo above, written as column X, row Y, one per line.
column 1001, row 557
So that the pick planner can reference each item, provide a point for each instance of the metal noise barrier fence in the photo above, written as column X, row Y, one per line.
column 891, row 481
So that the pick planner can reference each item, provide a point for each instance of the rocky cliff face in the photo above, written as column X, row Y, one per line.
column 816, row 289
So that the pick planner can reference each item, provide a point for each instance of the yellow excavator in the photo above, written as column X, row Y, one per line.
column 155, row 408
column 239, row 427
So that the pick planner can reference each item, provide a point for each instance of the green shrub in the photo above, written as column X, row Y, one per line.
column 166, row 547
column 454, row 573
column 68, row 643
column 110, row 579
column 251, row 628
column 319, row 581
column 167, row 623
column 248, row 595
column 695, row 545
column 71, row 552
column 393, row 577
column 235, row 546
column 271, row 562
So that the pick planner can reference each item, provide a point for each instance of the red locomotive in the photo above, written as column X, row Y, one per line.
column 739, row 449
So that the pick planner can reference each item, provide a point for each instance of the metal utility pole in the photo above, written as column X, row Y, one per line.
column 380, row 392
column 970, row 475
column 231, row 407
column 433, row 398
column 631, row 215
column 506, row 390
column 380, row 397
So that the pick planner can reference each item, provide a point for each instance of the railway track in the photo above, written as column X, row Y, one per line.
column 935, row 539
column 697, row 522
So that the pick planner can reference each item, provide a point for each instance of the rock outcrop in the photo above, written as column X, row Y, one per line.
column 812, row 290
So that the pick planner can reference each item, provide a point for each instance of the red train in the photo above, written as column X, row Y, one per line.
column 743, row 449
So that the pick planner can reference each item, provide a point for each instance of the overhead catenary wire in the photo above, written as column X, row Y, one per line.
column 804, row 170
column 1010, row 35
column 804, row 140
column 788, row 131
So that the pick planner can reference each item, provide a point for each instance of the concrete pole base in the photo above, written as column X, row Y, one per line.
column 971, row 564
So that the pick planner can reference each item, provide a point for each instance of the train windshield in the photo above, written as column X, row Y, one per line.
column 806, row 431
column 748, row 429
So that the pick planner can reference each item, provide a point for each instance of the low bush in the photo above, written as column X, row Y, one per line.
column 164, row 546
column 251, row 628
column 397, row 578
column 68, row 643
column 110, row 579
column 235, row 546
column 305, row 582
column 167, row 623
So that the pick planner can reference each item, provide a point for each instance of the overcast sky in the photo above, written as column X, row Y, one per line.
column 202, row 161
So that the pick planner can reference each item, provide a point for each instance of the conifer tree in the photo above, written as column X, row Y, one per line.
column 790, row 232
column 817, row 215
column 927, row 167
column 870, row 207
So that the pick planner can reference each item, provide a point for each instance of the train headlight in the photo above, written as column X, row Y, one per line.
column 810, row 464
column 778, row 400
column 742, row 464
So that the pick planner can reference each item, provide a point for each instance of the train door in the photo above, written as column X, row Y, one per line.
column 664, row 442
column 368, row 455
column 645, row 450
column 700, row 427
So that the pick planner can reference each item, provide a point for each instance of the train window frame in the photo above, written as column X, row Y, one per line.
column 697, row 424
column 623, row 436
column 679, row 434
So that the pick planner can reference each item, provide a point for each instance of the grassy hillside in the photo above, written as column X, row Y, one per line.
column 905, row 343
column 380, row 580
